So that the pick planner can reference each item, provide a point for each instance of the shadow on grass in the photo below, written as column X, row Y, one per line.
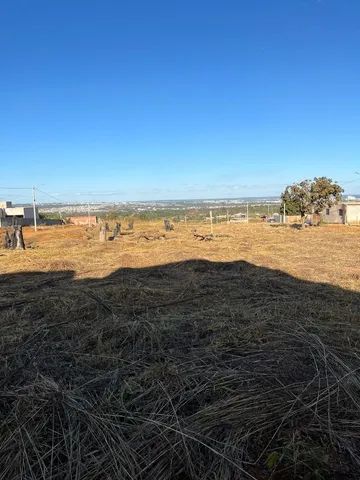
column 193, row 370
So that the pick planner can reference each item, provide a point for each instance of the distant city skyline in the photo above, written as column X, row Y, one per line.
column 44, row 199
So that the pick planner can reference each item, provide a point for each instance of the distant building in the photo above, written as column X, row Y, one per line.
column 10, row 215
column 343, row 212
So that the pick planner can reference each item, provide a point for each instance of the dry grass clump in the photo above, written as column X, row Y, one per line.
column 191, row 370
column 328, row 254
column 181, row 359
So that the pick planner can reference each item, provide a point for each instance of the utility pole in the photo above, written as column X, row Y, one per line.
column 34, row 208
column 247, row 213
column 89, row 214
column 211, row 222
column 284, row 213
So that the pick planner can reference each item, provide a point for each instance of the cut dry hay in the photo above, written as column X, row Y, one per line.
column 206, row 238
column 150, row 236
column 192, row 370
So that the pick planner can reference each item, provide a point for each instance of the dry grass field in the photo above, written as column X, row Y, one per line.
column 330, row 254
column 181, row 359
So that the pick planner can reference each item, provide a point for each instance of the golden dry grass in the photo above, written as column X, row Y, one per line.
column 329, row 254
column 181, row 359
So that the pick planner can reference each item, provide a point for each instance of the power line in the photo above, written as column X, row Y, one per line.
column 34, row 208
column 50, row 195
column 16, row 188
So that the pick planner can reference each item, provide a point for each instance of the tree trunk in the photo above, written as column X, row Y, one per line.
column 14, row 240
column 117, row 230
column 102, row 235
column 7, row 240
column 168, row 226
column 20, row 245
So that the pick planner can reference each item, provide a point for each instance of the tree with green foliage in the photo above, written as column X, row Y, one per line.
column 310, row 196
column 287, row 201
column 297, row 199
column 325, row 193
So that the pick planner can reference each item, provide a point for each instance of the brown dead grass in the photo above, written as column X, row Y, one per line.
column 181, row 359
column 329, row 254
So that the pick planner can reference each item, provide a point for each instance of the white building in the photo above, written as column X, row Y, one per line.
column 10, row 215
column 343, row 212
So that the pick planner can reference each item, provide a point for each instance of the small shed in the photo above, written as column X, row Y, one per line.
column 343, row 212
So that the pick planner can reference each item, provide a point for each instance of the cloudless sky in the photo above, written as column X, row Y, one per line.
column 159, row 99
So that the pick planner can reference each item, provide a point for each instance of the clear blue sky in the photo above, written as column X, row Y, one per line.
column 155, row 99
